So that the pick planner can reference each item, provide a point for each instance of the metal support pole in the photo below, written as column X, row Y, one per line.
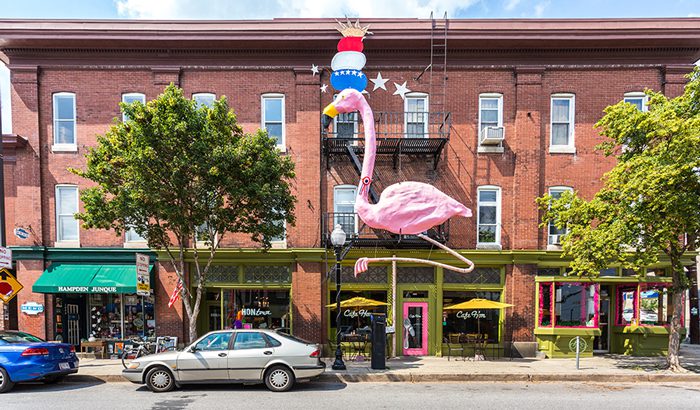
column 338, row 364
column 395, row 300
column 578, row 351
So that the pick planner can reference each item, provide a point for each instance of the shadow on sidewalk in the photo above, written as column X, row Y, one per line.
column 690, row 360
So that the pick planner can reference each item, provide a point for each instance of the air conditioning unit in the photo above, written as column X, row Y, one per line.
column 555, row 239
column 492, row 136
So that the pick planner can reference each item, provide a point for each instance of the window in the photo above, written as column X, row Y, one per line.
column 655, row 305
column 626, row 305
column 133, row 236
column 214, row 341
column 67, row 228
column 257, row 308
column 488, row 218
column 546, row 304
column 249, row 340
column 574, row 305
column 344, row 208
column 416, row 115
column 483, row 321
column 130, row 98
column 346, row 124
column 356, row 319
column 490, row 113
column 283, row 237
column 638, row 99
column 64, row 122
column 554, row 233
column 562, row 124
column 273, row 117
column 204, row 99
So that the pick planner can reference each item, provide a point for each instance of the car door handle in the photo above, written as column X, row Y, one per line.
column 267, row 352
column 222, row 354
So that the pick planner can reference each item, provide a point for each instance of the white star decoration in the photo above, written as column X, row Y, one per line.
column 314, row 69
column 401, row 90
column 379, row 82
column 324, row 88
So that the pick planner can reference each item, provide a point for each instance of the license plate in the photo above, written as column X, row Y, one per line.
column 64, row 366
column 75, row 365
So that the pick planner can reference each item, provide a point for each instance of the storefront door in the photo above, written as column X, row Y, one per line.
column 601, row 344
column 415, row 328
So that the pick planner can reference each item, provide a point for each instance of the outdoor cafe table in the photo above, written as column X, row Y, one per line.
column 357, row 344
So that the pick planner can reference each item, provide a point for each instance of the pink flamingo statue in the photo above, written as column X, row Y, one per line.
column 406, row 208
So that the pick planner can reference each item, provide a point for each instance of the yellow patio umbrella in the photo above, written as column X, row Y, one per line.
column 478, row 304
column 358, row 301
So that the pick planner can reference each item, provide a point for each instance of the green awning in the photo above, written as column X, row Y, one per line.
column 87, row 278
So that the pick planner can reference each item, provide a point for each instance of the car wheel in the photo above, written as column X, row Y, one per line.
column 279, row 379
column 159, row 380
column 5, row 383
column 54, row 379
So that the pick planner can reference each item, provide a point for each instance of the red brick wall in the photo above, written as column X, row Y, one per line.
column 27, row 273
column 170, row 321
column 307, row 310
column 520, row 292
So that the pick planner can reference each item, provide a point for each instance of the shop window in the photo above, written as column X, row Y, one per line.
column 608, row 272
column 67, row 227
column 555, row 234
column 272, row 113
column 344, row 208
column 562, row 124
column 415, row 275
column 375, row 274
column 416, row 115
column 638, row 99
column 358, row 319
column 574, row 305
column 64, row 120
column 214, row 341
column 266, row 274
column 256, row 308
column 478, row 275
column 626, row 305
column 204, row 99
column 474, row 321
column 489, row 215
column 546, row 304
column 222, row 274
column 130, row 98
column 249, row 340
column 548, row 271
column 655, row 305
column 109, row 313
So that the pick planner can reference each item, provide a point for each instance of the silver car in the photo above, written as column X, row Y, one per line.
column 231, row 356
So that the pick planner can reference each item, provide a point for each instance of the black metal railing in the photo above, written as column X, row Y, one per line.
column 364, row 235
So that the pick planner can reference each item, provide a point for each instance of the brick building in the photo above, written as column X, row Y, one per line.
column 499, row 112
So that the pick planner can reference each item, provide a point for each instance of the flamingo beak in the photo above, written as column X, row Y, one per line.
column 328, row 114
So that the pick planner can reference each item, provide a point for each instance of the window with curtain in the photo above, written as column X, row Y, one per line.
column 67, row 227
column 562, row 120
column 416, row 115
column 490, row 111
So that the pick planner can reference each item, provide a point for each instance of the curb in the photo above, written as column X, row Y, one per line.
column 451, row 377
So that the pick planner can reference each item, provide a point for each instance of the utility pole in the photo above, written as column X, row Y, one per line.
column 692, row 272
column 4, row 311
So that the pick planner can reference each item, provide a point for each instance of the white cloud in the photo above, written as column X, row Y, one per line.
column 540, row 7
column 511, row 4
column 5, row 99
column 265, row 9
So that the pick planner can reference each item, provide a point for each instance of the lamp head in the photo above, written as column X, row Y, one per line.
column 338, row 236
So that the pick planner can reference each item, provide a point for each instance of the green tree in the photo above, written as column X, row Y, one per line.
column 178, row 173
column 648, row 205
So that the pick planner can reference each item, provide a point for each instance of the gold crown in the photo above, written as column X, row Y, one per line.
column 350, row 30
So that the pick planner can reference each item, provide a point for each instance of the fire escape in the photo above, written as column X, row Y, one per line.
column 344, row 140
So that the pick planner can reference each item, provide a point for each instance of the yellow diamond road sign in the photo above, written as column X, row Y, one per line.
column 9, row 287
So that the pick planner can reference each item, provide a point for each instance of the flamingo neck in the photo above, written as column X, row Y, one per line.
column 370, row 151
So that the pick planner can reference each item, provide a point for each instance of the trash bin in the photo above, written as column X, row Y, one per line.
column 378, row 341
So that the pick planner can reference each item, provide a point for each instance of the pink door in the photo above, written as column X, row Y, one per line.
column 415, row 328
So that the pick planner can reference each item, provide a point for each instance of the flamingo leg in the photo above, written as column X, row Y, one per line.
column 362, row 264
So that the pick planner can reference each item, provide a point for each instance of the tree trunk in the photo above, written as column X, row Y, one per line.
column 674, row 337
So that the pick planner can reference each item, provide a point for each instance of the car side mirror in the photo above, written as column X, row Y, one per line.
column 193, row 349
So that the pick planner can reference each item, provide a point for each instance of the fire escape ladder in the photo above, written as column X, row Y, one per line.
column 438, row 65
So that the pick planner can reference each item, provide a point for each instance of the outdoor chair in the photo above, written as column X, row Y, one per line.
column 477, row 342
column 454, row 344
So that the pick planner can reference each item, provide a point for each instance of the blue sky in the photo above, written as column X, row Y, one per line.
column 266, row 9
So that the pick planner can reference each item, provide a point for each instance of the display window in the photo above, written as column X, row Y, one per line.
column 256, row 309
column 656, row 304
column 474, row 321
column 121, row 316
column 626, row 306
column 357, row 319
column 568, row 304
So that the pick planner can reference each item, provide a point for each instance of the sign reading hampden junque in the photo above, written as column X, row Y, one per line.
column 143, row 281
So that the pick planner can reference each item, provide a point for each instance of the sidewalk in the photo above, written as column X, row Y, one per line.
column 607, row 368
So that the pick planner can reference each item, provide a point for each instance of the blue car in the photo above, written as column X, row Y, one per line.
column 25, row 358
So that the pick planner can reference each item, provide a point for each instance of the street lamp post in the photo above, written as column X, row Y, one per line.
column 338, row 240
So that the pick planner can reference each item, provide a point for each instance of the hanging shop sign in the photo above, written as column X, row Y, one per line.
column 143, row 280
column 5, row 257
column 21, row 233
column 32, row 308
column 9, row 286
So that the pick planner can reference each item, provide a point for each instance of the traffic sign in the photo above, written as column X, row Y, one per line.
column 9, row 286
column 143, row 282
column 21, row 233
column 5, row 257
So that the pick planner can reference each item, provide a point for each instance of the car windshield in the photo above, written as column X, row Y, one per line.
column 290, row 337
column 18, row 337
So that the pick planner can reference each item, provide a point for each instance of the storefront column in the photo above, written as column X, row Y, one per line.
column 520, row 291
column 307, row 309
column 169, row 321
column 28, row 271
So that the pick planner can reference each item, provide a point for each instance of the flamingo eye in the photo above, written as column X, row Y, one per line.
column 365, row 181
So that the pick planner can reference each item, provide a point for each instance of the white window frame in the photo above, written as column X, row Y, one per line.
column 63, row 147
column 142, row 98
column 491, row 96
column 282, row 146
column 562, row 189
column 60, row 242
column 197, row 96
column 345, row 187
column 356, row 123
column 131, row 242
column 497, row 243
column 426, row 113
column 569, row 148
column 638, row 95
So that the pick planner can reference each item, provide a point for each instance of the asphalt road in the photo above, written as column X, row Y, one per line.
column 360, row 396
